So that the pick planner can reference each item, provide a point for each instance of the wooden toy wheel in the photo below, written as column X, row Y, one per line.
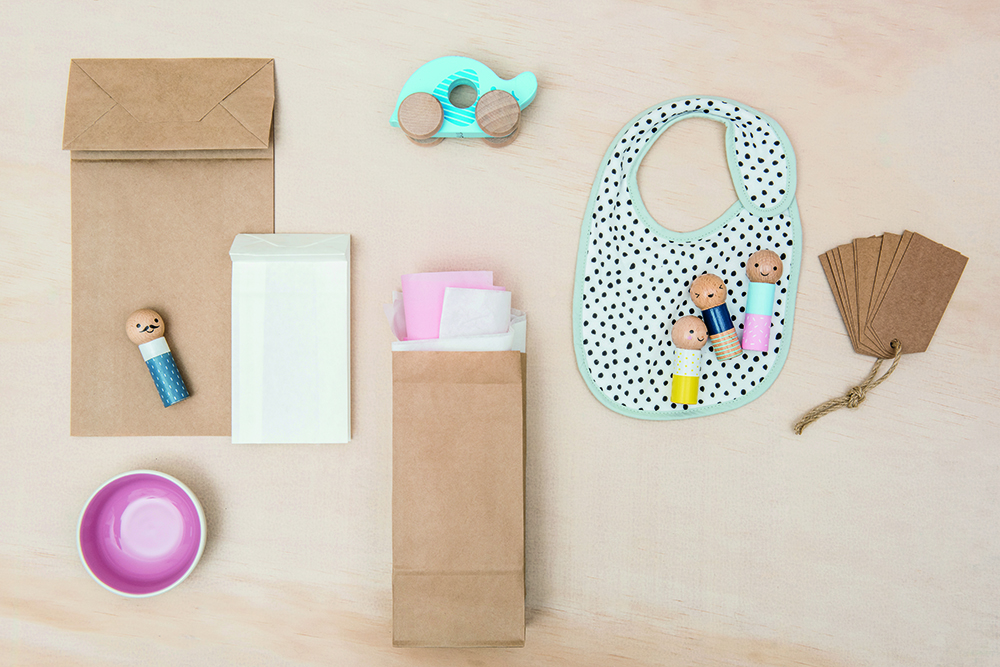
column 500, row 142
column 498, row 113
column 420, row 117
column 427, row 143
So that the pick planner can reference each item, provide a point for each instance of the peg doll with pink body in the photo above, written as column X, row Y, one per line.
column 764, row 268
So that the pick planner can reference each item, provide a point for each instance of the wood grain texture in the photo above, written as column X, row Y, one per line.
column 873, row 539
column 420, row 116
column 497, row 113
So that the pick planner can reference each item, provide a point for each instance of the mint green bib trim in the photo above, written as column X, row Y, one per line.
column 631, row 302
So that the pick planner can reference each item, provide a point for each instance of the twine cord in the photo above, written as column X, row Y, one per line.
column 856, row 395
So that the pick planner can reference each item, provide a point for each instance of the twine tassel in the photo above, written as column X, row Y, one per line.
column 856, row 395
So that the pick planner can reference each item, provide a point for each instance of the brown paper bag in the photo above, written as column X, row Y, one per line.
column 457, row 499
column 171, row 159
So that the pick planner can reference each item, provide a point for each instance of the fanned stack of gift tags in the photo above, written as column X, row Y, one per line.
column 892, row 287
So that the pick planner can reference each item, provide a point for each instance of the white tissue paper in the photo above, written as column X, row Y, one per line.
column 474, row 312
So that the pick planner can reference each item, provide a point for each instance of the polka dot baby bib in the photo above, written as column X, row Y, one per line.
column 633, row 275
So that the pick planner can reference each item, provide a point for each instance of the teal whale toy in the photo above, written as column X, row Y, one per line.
column 427, row 115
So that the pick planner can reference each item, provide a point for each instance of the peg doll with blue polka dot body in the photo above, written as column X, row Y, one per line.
column 145, row 328
column 709, row 293
column 764, row 268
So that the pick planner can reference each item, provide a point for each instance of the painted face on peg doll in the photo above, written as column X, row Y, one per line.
column 144, row 325
column 689, row 333
column 708, row 291
column 764, row 266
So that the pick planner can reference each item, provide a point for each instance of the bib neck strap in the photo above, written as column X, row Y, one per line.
column 760, row 157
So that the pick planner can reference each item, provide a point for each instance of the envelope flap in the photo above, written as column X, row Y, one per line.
column 159, row 90
column 169, row 104
column 85, row 102
column 252, row 102
column 290, row 247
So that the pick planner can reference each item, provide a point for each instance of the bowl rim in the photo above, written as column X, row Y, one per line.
column 201, row 522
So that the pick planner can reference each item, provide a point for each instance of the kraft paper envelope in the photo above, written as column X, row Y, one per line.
column 291, row 338
column 458, row 498
column 171, row 159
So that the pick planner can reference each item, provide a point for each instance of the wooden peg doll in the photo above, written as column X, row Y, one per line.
column 764, row 268
column 145, row 328
column 689, row 335
column 709, row 293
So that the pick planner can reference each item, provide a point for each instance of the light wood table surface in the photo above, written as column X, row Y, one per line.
column 872, row 539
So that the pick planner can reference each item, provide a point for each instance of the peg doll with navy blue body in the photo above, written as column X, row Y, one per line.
column 709, row 293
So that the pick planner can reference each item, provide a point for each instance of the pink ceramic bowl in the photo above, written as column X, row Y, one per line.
column 141, row 533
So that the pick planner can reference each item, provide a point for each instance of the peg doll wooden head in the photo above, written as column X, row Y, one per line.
column 764, row 266
column 144, row 325
column 689, row 333
column 708, row 291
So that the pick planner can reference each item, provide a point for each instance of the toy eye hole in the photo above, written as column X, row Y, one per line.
column 692, row 331
column 775, row 268
column 722, row 287
column 696, row 294
column 155, row 319
column 138, row 326
column 756, row 266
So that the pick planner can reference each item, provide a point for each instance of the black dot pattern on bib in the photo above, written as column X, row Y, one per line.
column 636, row 280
